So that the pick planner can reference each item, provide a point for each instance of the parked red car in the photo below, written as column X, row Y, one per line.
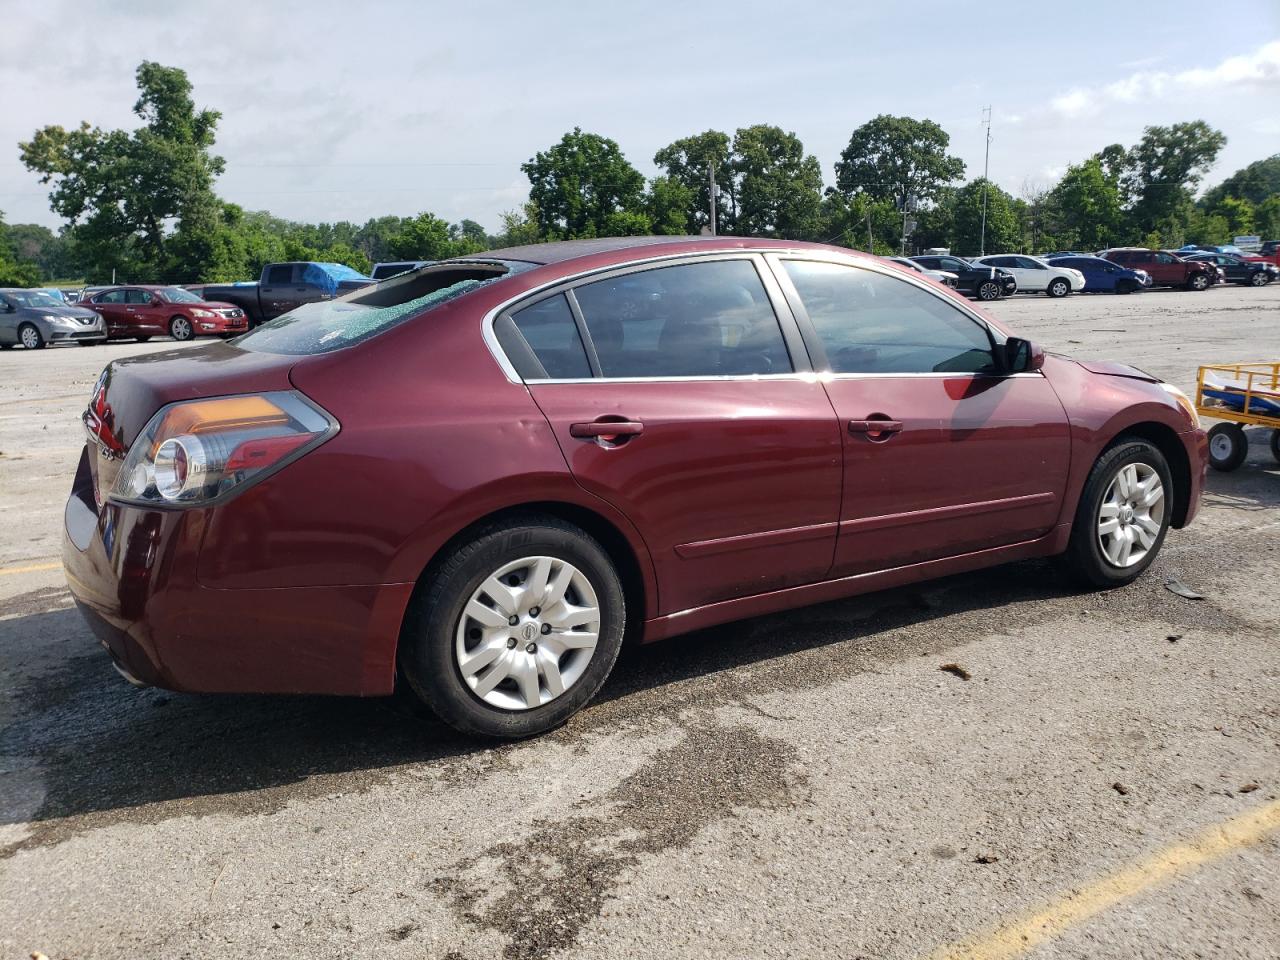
column 1166, row 269
column 145, row 311
column 480, row 475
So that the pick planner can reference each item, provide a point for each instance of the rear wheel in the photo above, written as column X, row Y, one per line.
column 30, row 337
column 1122, row 517
column 1058, row 288
column 516, row 630
column 989, row 290
column 1228, row 446
column 180, row 328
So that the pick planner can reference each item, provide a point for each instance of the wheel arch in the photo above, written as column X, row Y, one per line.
column 628, row 556
column 1165, row 439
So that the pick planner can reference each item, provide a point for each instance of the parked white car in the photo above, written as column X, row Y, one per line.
column 1035, row 275
column 944, row 277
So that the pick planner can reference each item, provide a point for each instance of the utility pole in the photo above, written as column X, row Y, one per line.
column 986, row 164
column 714, row 193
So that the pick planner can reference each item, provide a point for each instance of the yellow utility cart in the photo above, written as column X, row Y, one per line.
column 1240, row 394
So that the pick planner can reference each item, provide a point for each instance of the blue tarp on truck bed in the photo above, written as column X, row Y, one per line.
column 327, row 275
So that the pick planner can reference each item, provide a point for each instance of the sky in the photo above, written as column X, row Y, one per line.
column 345, row 111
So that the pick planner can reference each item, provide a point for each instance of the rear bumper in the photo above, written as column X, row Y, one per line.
column 132, row 572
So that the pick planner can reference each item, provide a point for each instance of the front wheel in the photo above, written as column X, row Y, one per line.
column 1258, row 279
column 1058, row 288
column 988, row 291
column 180, row 328
column 1122, row 517
column 516, row 630
column 1228, row 446
column 30, row 337
column 1199, row 282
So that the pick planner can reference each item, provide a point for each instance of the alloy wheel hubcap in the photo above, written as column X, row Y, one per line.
column 30, row 338
column 528, row 633
column 181, row 329
column 1131, row 515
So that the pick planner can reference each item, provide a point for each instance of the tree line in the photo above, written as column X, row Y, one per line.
column 142, row 204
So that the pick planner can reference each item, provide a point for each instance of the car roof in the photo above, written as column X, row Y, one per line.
column 559, row 251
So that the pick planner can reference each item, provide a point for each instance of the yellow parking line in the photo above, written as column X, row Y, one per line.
column 1020, row 936
column 32, row 568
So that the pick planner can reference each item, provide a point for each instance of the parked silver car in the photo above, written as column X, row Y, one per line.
column 34, row 318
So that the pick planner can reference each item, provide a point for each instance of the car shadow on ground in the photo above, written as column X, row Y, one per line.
column 89, row 750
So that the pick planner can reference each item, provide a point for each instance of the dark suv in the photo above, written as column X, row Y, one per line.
column 1255, row 273
column 1165, row 269
column 982, row 282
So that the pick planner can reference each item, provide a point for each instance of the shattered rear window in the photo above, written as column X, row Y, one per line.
column 335, row 324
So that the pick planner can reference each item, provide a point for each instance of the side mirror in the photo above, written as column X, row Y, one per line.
column 1022, row 356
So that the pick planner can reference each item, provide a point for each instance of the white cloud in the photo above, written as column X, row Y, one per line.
column 1259, row 70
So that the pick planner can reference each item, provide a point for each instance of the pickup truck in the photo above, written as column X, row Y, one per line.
column 282, row 287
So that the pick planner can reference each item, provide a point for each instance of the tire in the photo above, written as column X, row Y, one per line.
column 1085, row 560
column 1275, row 444
column 1198, row 282
column 87, row 343
column 142, row 339
column 6, row 346
column 1058, row 287
column 1126, row 287
column 1228, row 446
column 439, row 629
column 180, row 329
column 988, row 291
column 1258, row 279
column 30, row 337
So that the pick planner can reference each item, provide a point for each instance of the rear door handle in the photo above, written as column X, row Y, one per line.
column 875, row 426
column 606, row 429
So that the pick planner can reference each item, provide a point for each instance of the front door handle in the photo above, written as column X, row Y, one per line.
column 875, row 426
column 606, row 429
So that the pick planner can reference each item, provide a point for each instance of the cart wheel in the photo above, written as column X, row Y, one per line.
column 1275, row 444
column 1228, row 446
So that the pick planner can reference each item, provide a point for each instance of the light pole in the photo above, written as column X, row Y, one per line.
column 986, row 164
column 711, row 178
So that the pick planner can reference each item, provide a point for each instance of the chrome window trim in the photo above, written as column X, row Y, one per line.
column 570, row 280
column 802, row 375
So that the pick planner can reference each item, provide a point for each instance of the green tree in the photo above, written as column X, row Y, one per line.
column 897, row 159
column 425, row 237
column 1237, row 212
column 1255, row 183
column 668, row 205
column 580, row 184
column 1002, row 233
column 778, row 186
column 1267, row 217
column 15, row 272
column 1084, row 208
column 688, row 161
column 122, row 190
column 1162, row 171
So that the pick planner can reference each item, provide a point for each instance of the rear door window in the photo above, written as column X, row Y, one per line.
column 707, row 319
column 872, row 323
column 137, row 296
column 280, row 275
column 546, row 343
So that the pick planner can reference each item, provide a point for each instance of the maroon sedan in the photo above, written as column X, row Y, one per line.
column 145, row 311
column 480, row 475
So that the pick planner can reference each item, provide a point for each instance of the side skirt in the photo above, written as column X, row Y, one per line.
column 697, row 618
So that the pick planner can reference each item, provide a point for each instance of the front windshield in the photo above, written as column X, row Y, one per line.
column 35, row 298
column 178, row 295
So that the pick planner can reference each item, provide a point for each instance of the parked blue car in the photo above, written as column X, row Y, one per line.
column 1103, row 276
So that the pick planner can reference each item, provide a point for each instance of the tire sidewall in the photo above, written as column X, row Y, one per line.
column 993, row 295
column 1088, row 557
column 427, row 644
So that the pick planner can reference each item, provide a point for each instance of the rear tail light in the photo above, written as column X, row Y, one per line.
column 197, row 451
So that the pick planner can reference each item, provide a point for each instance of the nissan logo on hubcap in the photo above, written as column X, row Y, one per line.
column 530, row 630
